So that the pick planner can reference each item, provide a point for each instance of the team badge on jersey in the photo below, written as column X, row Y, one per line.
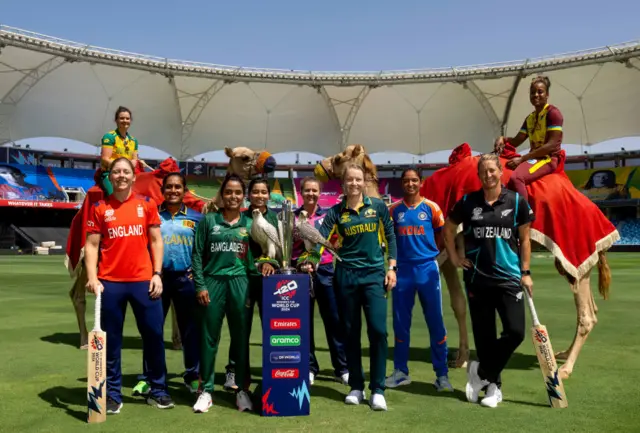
column 345, row 218
column 188, row 223
column 216, row 229
column 370, row 213
column 108, row 215
column 243, row 231
column 477, row 214
column 140, row 211
column 422, row 216
column 401, row 217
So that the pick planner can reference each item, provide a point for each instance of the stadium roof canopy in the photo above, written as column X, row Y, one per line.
column 55, row 88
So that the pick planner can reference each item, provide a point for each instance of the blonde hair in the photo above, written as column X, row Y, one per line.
column 489, row 157
column 351, row 167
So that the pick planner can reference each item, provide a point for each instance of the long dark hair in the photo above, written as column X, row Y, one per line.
column 258, row 181
column 174, row 174
column 122, row 109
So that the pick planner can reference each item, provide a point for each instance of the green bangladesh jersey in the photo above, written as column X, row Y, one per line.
column 220, row 249
column 256, row 250
column 362, row 232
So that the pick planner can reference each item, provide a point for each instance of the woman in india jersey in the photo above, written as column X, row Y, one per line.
column 178, row 227
column 259, row 193
column 122, row 227
column 543, row 128
column 221, row 263
column 361, row 281
column 117, row 143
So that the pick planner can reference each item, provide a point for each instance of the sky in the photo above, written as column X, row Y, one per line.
column 332, row 35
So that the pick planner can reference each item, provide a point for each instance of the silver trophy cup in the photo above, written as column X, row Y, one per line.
column 286, row 219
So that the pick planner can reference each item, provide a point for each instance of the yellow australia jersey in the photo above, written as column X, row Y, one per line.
column 122, row 147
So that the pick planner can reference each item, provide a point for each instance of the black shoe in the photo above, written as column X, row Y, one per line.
column 113, row 406
column 163, row 402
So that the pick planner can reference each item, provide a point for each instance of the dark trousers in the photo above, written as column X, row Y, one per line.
column 493, row 352
column 149, row 318
column 328, row 306
column 357, row 290
column 255, row 297
column 530, row 171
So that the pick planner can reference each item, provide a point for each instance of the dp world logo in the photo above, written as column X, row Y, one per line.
column 285, row 340
column 286, row 290
column 285, row 357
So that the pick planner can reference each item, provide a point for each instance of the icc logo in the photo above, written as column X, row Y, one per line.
column 286, row 290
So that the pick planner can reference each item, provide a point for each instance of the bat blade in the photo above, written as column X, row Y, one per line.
column 97, row 377
column 548, row 366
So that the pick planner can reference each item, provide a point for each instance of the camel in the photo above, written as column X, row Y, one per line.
column 574, row 259
column 245, row 162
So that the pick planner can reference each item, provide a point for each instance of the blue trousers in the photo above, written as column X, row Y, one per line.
column 423, row 278
column 148, row 314
column 328, row 306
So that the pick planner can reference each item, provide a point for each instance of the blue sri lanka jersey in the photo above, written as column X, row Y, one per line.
column 178, row 233
column 415, row 228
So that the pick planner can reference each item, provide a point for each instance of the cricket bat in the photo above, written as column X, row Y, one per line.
column 96, row 370
column 547, row 359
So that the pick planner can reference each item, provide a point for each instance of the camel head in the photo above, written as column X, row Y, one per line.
column 248, row 163
column 333, row 167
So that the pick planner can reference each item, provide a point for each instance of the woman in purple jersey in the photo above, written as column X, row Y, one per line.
column 417, row 223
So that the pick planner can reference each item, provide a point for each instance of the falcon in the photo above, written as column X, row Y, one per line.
column 311, row 236
column 265, row 235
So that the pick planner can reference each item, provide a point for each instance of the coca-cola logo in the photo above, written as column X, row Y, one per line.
column 285, row 373
column 285, row 323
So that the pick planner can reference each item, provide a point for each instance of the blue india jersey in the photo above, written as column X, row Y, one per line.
column 415, row 228
column 178, row 232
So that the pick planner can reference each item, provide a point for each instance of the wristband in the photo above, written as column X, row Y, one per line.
column 393, row 268
column 526, row 272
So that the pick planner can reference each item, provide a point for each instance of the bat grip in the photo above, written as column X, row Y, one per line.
column 532, row 308
column 98, row 305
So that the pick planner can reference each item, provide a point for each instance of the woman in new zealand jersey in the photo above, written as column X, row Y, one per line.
column 122, row 227
column 543, row 128
column 221, row 263
column 497, row 247
column 117, row 143
column 361, row 281
column 259, row 193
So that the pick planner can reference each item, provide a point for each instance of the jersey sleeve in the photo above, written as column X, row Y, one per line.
column 524, row 213
column 108, row 140
column 153, row 217
column 457, row 213
column 554, row 120
column 198, row 254
column 437, row 218
column 523, row 128
column 94, row 225
column 389, row 232
column 328, row 228
column 135, row 141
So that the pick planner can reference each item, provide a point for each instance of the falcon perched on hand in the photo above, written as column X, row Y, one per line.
column 265, row 235
column 311, row 236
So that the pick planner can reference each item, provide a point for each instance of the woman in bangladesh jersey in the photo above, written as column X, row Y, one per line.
column 543, row 128
column 221, row 262
column 259, row 193
column 117, row 143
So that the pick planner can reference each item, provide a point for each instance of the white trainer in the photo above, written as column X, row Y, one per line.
column 344, row 379
column 204, row 403
column 492, row 397
column 396, row 379
column 243, row 401
column 442, row 384
column 355, row 397
column 378, row 402
column 474, row 383
column 312, row 378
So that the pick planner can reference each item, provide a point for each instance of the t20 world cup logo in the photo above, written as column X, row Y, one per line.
column 286, row 290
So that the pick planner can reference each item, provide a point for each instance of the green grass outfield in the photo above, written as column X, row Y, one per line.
column 43, row 373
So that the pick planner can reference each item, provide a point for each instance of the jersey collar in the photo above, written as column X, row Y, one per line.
column 183, row 209
column 319, row 211
column 415, row 206
column 366, row 201
column 220, row 220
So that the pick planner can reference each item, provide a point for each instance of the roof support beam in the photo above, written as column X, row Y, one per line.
column 192, row 118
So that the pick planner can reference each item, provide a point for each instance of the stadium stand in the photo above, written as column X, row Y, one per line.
column 629, row 232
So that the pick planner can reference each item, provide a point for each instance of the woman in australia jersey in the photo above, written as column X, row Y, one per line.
column 495, row 223
column 322, row 288
column 221, row 263
column 418, row 225
column 259, row 193
column 543, row 128
column 361, row 281
column 178, row 227
column 117, row 143
column 125, row 228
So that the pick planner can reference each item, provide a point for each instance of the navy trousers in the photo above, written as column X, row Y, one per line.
column 327, row 304
column 148, row 314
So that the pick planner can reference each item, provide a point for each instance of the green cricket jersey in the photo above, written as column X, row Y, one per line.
column 362, row 233
column 220, row 249
column 256, row 249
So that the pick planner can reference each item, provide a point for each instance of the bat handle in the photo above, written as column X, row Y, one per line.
column 532, row 308
column 96, row 323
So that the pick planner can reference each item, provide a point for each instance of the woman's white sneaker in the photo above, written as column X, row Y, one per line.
column 492, row 397
column 204, row 403
column 243, row 401
column 355, row 397
column 474, row 383
column 378, row 402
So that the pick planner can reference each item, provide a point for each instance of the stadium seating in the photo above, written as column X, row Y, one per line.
column 629, row 232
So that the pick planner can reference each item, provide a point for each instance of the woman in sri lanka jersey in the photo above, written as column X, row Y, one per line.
column 117, row 143
column 543, row 128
